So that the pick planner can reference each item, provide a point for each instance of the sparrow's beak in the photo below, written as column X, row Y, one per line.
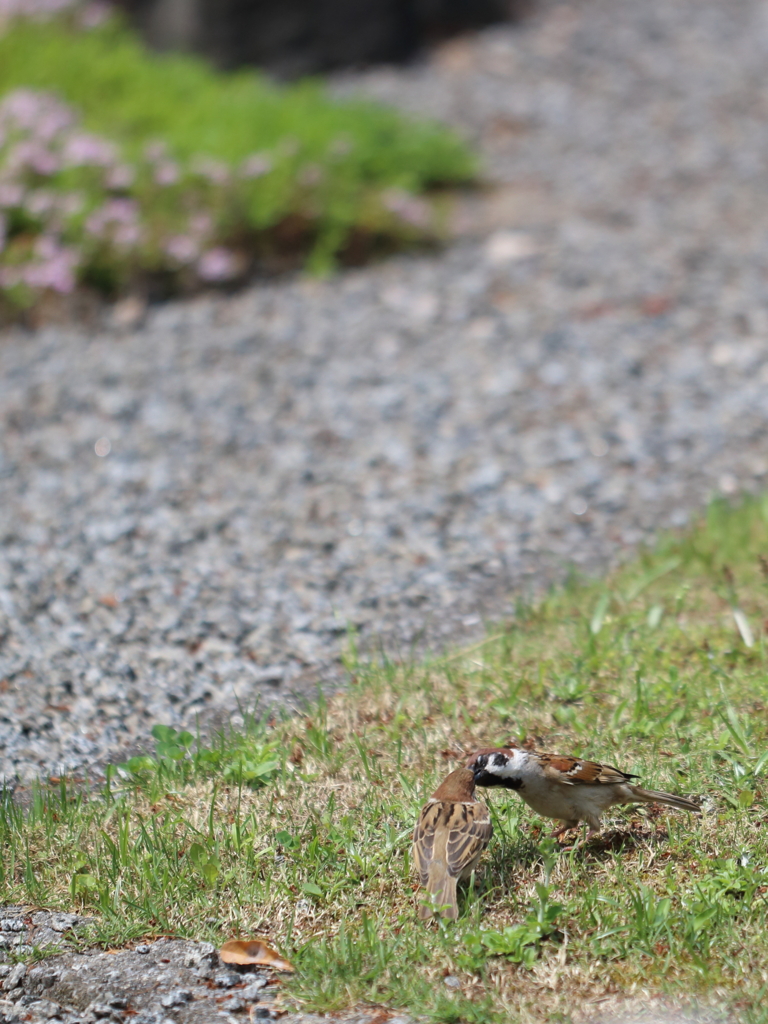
column 484, row 777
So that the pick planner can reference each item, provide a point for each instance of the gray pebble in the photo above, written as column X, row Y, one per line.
column 45, row 1008
column 255, row 989
column 15, row 978
column 226, row 979
column 100, row 1010
column 177, row 997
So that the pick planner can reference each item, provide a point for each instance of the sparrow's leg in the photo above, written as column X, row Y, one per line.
column 565, row 827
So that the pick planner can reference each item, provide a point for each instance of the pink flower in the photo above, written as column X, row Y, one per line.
column 94, row 14
column 217, row 265
column 83, row 149
column 127, row 235
column 29, row 155
column 155, row 150
column 40, row 202
column 120, row 176
column 71, row 203
column 200, row 224
column 114, row 211
column 23, row 107
column 9, row 277
column 167, row 173
column 408, row 208
column 53, row 122
column 46, row 247
column 256, row 166
column 11, row 194
column 311, row 175
column 55, row 269
column 182, row 248
column 39, row 9
column 215, row 171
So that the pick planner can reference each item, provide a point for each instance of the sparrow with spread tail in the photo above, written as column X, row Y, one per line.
column 452, row 831
column 564, row 787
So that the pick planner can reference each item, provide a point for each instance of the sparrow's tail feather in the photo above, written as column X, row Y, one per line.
column 442, row 888
column 651, row 796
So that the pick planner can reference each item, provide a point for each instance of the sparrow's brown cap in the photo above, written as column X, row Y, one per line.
column 490, row 750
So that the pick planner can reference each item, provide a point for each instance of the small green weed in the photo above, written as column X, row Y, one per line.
column 239, row 759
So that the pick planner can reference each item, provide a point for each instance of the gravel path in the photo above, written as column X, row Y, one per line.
column 193, row 511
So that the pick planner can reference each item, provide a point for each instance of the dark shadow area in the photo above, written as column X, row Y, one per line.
column 291, row 38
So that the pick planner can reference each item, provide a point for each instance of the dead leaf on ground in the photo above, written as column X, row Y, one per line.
column 253, row 951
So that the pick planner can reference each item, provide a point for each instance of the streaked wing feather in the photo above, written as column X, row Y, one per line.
column 468, row 837
column 572, row 771
column 424, row 839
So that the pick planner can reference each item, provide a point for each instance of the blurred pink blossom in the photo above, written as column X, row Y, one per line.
column 85, row 149
column 120, row 176
column 127, row 235
column 114, row 211
column 215, row 171
column 31, row 155
column 94, row 14
column 255, row 166
column 200, row 224
column 22, row 108
column 40, row 202
column 32, row 8
column 71, row 203
column 183, row 248
column 217, row 265
column 11, row 194
column 52, row 122
column 407, row 207
column 155, row 150
column 167, row 173
column 9, row 276
column 311, row 175
column 55, row 268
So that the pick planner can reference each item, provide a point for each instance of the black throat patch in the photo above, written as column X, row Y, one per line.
column 484, row 778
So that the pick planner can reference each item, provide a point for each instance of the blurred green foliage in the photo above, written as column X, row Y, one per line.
column 133, row 96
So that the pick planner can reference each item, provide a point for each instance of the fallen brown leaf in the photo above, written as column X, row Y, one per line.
column 253, row 951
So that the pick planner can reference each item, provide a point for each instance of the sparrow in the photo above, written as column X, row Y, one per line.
column 564, row 787
column 452, row 831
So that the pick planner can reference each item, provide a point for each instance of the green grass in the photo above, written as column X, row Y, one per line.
column 300, row 829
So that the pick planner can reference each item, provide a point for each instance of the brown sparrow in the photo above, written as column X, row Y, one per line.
column 452, row 831
column 564, row 787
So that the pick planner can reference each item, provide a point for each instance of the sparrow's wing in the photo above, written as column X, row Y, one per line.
column 469, row 832
column 458, row 831
column 424, row 838
column 572, row 771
